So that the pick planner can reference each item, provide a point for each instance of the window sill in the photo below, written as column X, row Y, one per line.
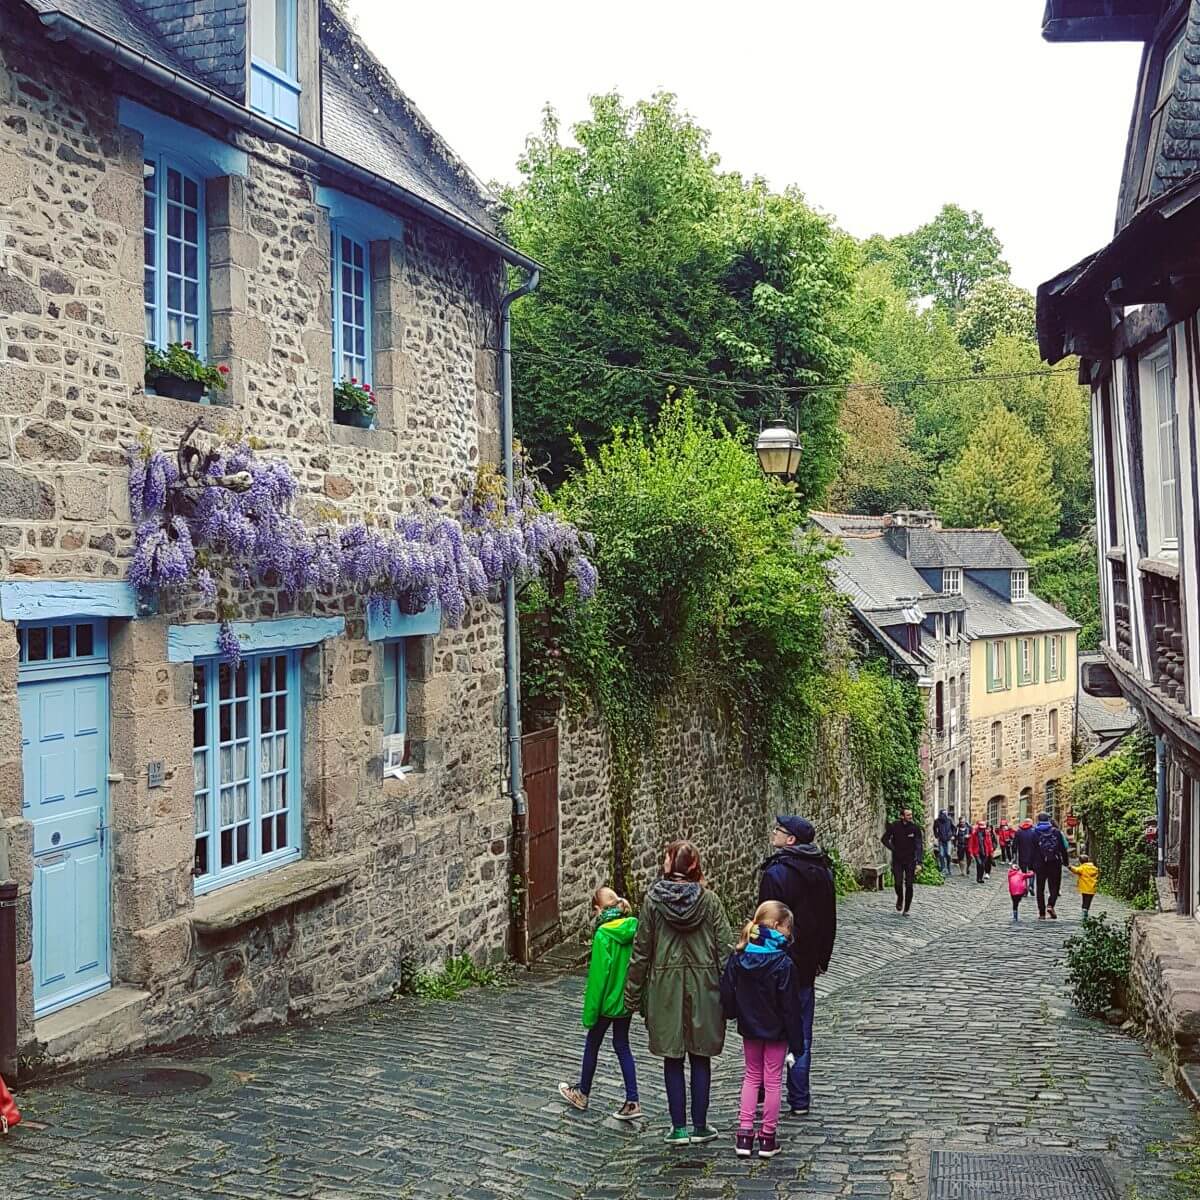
column 1163, row 567
column 165, row 412
column 1115, row 554
column 363, row 439
column 231, row 907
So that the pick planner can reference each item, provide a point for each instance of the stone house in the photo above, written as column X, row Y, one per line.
column 922, row 633
column 201, row 849
column 1130, row 312
column 953, row 607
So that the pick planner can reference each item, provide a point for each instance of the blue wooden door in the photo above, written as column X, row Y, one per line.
column 63, row 694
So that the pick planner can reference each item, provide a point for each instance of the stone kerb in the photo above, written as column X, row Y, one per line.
column 1165, row 982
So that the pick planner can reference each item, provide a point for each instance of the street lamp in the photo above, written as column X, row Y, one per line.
column 778, row 450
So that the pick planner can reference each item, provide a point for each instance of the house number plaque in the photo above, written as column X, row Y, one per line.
column 154, row 773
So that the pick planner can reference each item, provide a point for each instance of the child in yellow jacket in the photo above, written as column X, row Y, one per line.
column 1088, row 875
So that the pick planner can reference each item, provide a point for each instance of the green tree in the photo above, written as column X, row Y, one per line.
column 1003, row 478
column 950, row 256
column 994, row 307
column 1055, row 409
column 1067, row 577
column 660, row 266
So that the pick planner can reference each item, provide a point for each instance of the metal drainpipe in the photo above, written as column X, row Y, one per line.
column 8, row 979
column 1160, row 790
column 512, row 674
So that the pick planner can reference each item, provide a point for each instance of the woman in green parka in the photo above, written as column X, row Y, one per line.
column 674, row 981
column 604, row 1002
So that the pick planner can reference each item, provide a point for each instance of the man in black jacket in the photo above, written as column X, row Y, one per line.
column 943, row 830
column 907, row 844
column 800, row 875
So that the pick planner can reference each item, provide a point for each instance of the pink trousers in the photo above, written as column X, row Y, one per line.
column 764, row 1069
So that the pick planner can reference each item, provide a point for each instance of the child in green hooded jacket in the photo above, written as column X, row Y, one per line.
column 604, row 1002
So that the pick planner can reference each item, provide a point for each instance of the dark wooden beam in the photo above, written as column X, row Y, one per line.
column 1098, row 29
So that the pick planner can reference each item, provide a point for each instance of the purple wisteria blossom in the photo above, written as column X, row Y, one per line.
column 229, row 513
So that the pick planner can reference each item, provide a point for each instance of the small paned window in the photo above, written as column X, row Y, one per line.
column 1052, row 730
column 939, row 708
column 173, row 277
column 1052, row 798
column 1026, row 651
column 1020, row 586
column 1027, row 736
column 997, row 666
column 351, row 309
column 1168, row 75
column 58, row 643
column 997, row 744
column 245, row 766
column 274, row 73
column 1054, row 663
column 396, row 746
column 952, row 581
column 1026, row 806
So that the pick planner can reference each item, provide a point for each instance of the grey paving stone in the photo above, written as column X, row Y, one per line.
column 946, row 1030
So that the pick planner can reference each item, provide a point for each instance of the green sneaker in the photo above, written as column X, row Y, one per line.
column 707, row 1134
column 677, row 1137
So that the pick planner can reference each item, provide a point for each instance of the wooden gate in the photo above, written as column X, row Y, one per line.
column 539, row 753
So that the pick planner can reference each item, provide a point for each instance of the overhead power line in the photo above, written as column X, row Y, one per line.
column 720, row 382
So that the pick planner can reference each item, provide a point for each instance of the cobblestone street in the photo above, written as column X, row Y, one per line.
column 946, row 1031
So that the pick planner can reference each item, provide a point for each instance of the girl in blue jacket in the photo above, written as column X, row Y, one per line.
column 757, row 990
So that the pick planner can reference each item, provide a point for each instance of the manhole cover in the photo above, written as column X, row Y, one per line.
column 1014, row 1176
column 146, row 1082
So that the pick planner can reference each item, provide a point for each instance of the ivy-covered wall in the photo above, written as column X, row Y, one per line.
column 701, row 781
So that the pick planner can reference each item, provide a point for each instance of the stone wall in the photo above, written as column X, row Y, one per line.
column 1016, row 772
column 699, row 782
column 1165, row 983
column 393, row 871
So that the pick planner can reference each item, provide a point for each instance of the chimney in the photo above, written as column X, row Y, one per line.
column 916, row 518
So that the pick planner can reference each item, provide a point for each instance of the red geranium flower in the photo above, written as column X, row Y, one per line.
column 187, row 345
column 223, row 369
column 353, row 379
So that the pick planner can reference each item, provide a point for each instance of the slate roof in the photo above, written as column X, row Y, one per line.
column 367, row 119
column 974, row 549
column 1107, row 717
column 990, row 615
column 874, row 576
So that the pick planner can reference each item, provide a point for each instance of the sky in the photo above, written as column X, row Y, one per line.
column 879, row 111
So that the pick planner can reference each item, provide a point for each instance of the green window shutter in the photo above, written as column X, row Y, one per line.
column 1035, row 645
column 390, row 657
column 991, row 666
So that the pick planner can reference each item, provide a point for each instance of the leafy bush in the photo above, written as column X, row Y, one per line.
column 456, row 976
column 844, row 880
column 929, row 873
column 1098, row 964
column 1115, row 799
column 1067, row 578
column 350, row 396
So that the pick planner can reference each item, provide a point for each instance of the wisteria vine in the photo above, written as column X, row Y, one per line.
column 226, row 511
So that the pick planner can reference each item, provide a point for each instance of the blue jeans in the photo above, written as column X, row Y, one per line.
column 591, row 1054
column 677, row 1091
column 944, row 856
column 798, row 1095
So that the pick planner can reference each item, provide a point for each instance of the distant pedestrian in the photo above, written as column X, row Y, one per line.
column 1050, row 856
column 800, row 875
column 604, row 1002
column 1018, row 886
column 987, row 870
column 943, row 831
column 674, row 981
column 1088, row 878
column 758, row 992
column 962, row 840
column 981, row 849
column 1005, row 835
column 907, row 844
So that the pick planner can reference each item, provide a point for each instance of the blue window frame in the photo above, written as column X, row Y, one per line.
column 175, row 277
column 62, row 647
column 274, row 78
column 245, row 766
column 351, row 280
column 396, row 748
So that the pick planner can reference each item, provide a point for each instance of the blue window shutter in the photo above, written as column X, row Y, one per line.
column 391, row 685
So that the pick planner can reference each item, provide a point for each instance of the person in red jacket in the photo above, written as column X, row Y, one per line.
column 1006, row 833
column 981, row 848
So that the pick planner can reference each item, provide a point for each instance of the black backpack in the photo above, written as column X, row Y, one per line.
column 1050, row 845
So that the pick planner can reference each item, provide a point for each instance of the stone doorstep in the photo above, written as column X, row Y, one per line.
column 237, row 905
column 102, row 1026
